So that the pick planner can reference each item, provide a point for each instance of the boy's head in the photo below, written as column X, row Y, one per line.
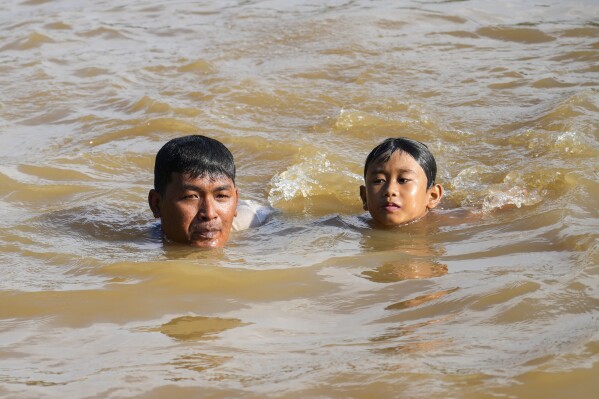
column 194, row 191
column 399, row 177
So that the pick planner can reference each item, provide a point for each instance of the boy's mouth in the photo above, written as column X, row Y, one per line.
column 391, row 206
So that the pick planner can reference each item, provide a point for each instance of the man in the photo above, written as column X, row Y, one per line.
column 194, row 192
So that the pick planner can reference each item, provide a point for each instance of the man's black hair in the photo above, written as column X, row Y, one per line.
column 196, row 156
column 419, row 151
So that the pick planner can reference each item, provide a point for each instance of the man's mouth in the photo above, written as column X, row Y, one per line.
column 205, row 233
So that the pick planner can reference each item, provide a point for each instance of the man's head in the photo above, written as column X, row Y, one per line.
column 194, row 191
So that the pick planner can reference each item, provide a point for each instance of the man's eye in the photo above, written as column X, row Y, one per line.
column 190, row 196
column 402, row 180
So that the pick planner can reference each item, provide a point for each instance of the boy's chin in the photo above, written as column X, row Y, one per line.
column 388, row 223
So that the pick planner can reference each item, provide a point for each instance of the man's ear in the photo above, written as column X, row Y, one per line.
column 236, row 200
column 435, row 193
column 154, row 199
column 363, row 196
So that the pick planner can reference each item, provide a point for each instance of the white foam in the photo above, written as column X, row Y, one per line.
column 500, row 196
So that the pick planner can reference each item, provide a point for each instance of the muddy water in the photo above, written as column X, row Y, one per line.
column 495, row 295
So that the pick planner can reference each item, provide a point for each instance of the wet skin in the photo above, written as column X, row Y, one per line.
column 395, row 192
column 196, row 211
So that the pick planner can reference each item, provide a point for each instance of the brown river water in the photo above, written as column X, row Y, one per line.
column 496, row 295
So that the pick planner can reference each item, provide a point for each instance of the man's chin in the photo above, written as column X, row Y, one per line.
column 199, row 242
column 203, row 243
column 210, row 240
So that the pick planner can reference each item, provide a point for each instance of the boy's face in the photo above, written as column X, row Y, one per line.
column 395, row 192
column 196, row 211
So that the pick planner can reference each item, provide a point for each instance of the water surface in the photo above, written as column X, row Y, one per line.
column 495, row 295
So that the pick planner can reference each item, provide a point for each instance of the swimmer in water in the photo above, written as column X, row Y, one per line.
column 195, row 195
column 399, row 182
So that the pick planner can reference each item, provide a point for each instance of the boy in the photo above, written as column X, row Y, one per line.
column 399, row 177
column 195, row 195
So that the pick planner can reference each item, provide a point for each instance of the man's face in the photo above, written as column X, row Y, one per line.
column 196, row 211
column 395, row 192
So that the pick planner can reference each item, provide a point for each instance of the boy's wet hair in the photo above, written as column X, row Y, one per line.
column 419, row 151
column 196, row 156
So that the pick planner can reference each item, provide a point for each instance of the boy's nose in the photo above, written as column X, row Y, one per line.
column 391, row 190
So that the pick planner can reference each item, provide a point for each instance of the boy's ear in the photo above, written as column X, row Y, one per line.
column 363, row 196
column 435, row 193
column 154, row 200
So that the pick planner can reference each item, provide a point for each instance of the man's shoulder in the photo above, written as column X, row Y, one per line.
column 251, row 214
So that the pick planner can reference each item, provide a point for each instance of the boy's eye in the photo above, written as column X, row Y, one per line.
column 402, row 180
column 222, row 196
column 190, row 196
column 378, row 180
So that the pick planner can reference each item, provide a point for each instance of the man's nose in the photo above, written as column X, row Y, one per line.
column 207, row 210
